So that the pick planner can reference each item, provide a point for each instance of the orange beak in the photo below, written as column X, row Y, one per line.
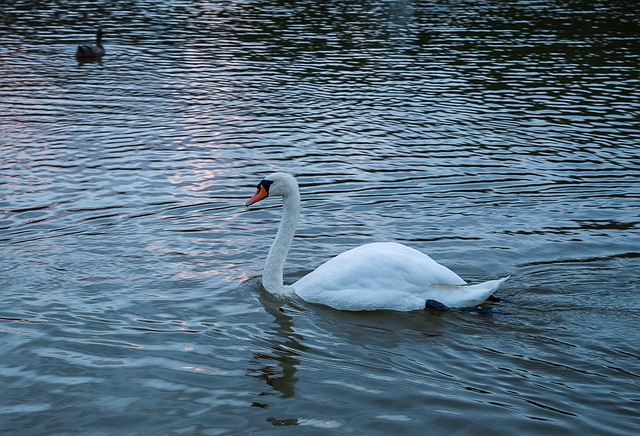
column 260, row 194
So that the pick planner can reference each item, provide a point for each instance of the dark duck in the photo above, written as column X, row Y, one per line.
column 91, row 51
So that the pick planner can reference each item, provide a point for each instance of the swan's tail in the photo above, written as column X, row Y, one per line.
column 478, row 294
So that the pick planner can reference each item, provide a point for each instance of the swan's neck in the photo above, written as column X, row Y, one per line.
column 272, row 276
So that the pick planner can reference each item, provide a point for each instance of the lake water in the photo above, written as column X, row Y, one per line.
column 499, row 137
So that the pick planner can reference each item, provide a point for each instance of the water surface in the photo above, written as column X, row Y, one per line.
column 499, row 137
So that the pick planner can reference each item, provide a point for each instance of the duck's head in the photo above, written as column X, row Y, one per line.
column 275, row 185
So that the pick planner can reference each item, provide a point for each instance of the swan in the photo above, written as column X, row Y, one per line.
column 92, row 51
column 375, row 276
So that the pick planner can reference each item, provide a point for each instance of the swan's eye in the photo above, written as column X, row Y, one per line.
column 265, row 184
column 262, row 191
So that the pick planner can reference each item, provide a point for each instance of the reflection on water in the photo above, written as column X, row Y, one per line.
column 285, row 346
column 499, row 137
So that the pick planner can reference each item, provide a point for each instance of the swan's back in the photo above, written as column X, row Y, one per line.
column 382, row 275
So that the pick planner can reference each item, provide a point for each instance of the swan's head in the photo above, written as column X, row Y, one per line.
column 275, row 185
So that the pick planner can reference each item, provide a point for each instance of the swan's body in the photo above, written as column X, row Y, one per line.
column 92, row 51
column 374, row 276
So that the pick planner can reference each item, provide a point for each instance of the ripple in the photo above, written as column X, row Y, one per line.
column 501, row 138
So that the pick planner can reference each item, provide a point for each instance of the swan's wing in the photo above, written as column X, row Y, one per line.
column 376, row 274
column 363, row 299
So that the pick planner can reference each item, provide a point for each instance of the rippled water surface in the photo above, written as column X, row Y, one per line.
column 499, row 137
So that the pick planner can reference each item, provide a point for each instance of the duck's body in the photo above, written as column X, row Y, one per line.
column 92, row 51
column 378, row 276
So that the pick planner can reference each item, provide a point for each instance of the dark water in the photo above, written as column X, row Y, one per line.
column 499, row 137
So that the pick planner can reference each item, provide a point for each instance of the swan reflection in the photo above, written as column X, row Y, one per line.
column 278, row 366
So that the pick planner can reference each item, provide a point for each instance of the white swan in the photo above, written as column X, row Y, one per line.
column 374, row 276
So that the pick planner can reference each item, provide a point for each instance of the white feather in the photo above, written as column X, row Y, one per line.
column 383, row 275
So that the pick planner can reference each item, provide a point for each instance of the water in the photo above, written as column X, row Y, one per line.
column 499, row 137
